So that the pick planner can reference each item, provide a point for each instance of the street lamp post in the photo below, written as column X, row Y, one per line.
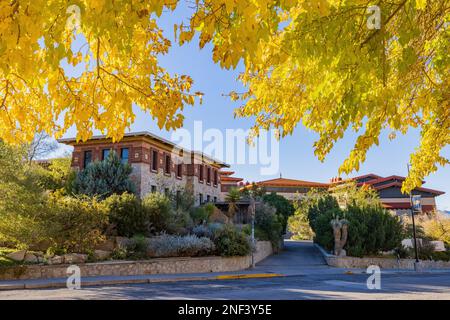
column 252, row 211
column 414, row 227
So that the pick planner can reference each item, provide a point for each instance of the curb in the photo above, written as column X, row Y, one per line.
column 90, row 283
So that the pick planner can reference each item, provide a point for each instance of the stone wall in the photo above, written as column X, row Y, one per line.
column 383, row 263
column 153, row 266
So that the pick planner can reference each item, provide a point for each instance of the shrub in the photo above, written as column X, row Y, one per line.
column 158, row 211
column 231, row 242
column 75, row 224
column 202, row 214
column 208, row 230
column 127, row 215
column 179, row 246
column 284, row 207
column 104, row 178
column 137, row 247
column 438, row 228
column 22, row 200
column 267, row 225
column 371, row 228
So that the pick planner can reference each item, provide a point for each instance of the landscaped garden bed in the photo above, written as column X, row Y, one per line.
column 94, row 219
column 353, row 230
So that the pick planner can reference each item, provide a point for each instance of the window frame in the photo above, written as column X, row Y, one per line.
column 85, row 152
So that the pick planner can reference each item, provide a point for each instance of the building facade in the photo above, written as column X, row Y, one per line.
column 391, row 196
column 291, row 189
column 158, row 164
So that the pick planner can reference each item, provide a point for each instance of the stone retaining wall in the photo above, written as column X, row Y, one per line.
column 153, row 266
column 383, row 263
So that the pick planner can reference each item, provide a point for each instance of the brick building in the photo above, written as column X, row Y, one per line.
column 391, row 196
column 158, row 164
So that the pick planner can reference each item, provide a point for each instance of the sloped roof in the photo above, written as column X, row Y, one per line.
column 283, row 182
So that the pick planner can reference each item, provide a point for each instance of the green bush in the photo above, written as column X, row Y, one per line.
column 371, row 228
column 230, row 242
column 104, row 178
column 284, row 207
column 180, row 246
column 202, row 214
column 267, row 225
column 137, row 247
column 75, row 224
column 127, row 215
column 158, row 211
column 22, row 200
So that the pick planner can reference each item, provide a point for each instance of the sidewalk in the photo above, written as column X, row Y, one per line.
column 299, row 258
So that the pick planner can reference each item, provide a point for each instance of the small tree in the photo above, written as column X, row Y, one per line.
column 232, row 198
column 104, row 178
column 284, row 207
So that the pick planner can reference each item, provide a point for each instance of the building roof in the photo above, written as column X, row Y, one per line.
column 226, row 173
column 146, row 134
column 230, row 179
column 399, row 185
column 283, row 182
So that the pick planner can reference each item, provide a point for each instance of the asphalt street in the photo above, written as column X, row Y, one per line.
column 307, row 277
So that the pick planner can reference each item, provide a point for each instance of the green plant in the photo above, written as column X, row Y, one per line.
column 201, row 214
column 22, row 200
column 231, row 242
column 75, row 224
column 137, row 247
column 127, row 214
column 158, row 211
column 104, row 178
column 284, row 207
column 180, row 246
column 233, row 196
column 371, row 228
column 267, row 224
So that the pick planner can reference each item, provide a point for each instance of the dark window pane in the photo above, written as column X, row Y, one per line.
column 124, row 155
column 87, row 158
column 105, row 153
column 201, row 172
column 179, row 170
column 155, row 160
column 208, row 175
column 167, row 166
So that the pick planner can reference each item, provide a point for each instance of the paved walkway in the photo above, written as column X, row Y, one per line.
column 299, row 258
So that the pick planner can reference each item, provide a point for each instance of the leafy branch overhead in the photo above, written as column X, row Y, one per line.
column 319, row 64
column 314, row 62
column 119, row 54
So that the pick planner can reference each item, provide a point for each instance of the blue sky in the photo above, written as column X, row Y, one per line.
column 297, row 159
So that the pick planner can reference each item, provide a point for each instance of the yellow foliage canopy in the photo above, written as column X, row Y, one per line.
column 321, row 63
column 317, row 62
column 122, row 42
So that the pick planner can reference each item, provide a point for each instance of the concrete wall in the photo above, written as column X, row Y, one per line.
column 153, row 266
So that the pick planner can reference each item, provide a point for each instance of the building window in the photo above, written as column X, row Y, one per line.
column 216, row 178
column 215, row 199
column 201, row 169
column 153, row 189
column 208, row 198
column 200, row 197
column 87, row 158
column 167, row 165
column 208, row 175
column 179, row 170
column 105, row 153
column 155, row 160
column 124, row 155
